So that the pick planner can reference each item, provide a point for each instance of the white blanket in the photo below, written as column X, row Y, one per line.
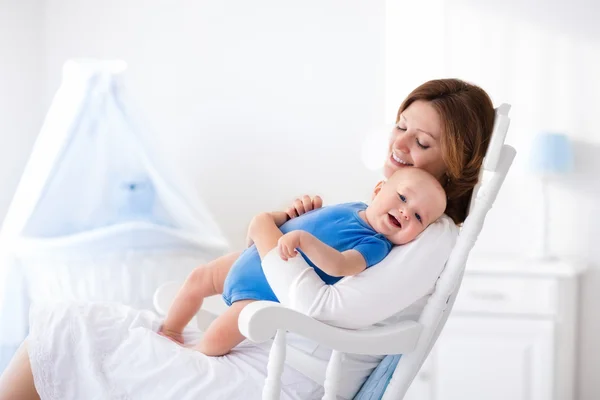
column 109, row 351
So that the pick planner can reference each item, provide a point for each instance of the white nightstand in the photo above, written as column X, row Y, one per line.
column 511, row 335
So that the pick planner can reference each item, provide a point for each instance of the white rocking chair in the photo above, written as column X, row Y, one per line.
column 262, row 320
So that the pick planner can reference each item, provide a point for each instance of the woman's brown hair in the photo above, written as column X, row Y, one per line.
column 467, row 116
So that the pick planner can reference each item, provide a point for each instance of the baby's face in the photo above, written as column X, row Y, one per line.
column 407, row 203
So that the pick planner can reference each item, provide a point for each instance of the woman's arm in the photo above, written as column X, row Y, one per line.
column 407, row 274
column 330, row 260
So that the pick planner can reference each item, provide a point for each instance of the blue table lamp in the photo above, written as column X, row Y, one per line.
column 551, row 155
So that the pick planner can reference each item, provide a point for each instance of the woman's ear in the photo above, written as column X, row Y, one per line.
column 377, row 189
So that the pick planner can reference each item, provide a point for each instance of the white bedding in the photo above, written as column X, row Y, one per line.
column 110, row 351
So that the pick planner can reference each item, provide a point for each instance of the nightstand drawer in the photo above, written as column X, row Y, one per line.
column 510, row 295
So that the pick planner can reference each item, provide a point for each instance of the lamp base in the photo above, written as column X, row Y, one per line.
column 540, row 244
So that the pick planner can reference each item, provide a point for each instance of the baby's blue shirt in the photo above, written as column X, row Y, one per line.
column 338, row 226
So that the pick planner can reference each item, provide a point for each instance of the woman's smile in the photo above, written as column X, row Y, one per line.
column 399, row 161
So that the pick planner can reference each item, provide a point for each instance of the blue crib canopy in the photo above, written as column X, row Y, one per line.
column 91, row 171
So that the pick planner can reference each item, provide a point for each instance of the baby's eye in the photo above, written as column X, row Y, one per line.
column 400, row 128
column 418, row 217
column 402, row 197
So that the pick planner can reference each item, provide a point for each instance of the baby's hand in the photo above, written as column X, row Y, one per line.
column 176, row 337
column 287, row 244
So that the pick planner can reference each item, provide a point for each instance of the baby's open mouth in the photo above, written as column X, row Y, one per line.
column 394, row 221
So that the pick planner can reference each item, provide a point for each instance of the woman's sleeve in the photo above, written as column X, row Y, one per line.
column 407, row 274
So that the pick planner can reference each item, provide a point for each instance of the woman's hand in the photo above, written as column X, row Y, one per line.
column 304, row 205
column 287, row 244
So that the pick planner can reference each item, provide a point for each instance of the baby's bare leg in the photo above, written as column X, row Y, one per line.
column 206, row 280
column 223, row 334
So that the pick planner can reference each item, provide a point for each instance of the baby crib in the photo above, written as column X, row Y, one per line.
column 98, row 215
column 262, row 320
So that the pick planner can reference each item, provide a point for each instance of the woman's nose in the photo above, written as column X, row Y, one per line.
column 401, row 142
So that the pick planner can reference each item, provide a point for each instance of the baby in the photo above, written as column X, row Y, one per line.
column 338, row 241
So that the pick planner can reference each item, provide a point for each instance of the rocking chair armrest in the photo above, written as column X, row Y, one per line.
column 259, row 321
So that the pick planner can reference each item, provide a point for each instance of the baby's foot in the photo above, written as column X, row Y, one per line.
column 176, row 337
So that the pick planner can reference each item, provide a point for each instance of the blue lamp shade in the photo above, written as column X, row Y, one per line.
column 551, row 153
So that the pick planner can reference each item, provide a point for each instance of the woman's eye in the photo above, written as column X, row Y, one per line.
column 400, row 128
column 421, row 145
column 402, row 197
column 418, row 218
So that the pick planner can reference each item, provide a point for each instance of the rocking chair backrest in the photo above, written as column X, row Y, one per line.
column 498, row 160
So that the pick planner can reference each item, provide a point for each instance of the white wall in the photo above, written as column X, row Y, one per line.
column 21, row 110
column 257, row 101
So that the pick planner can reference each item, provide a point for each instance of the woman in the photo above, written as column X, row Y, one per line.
column 102, row 351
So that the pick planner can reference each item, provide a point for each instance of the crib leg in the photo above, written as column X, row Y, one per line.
column 272, row 389
column 332, row 375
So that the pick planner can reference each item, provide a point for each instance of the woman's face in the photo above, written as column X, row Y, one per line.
column 415, row 141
